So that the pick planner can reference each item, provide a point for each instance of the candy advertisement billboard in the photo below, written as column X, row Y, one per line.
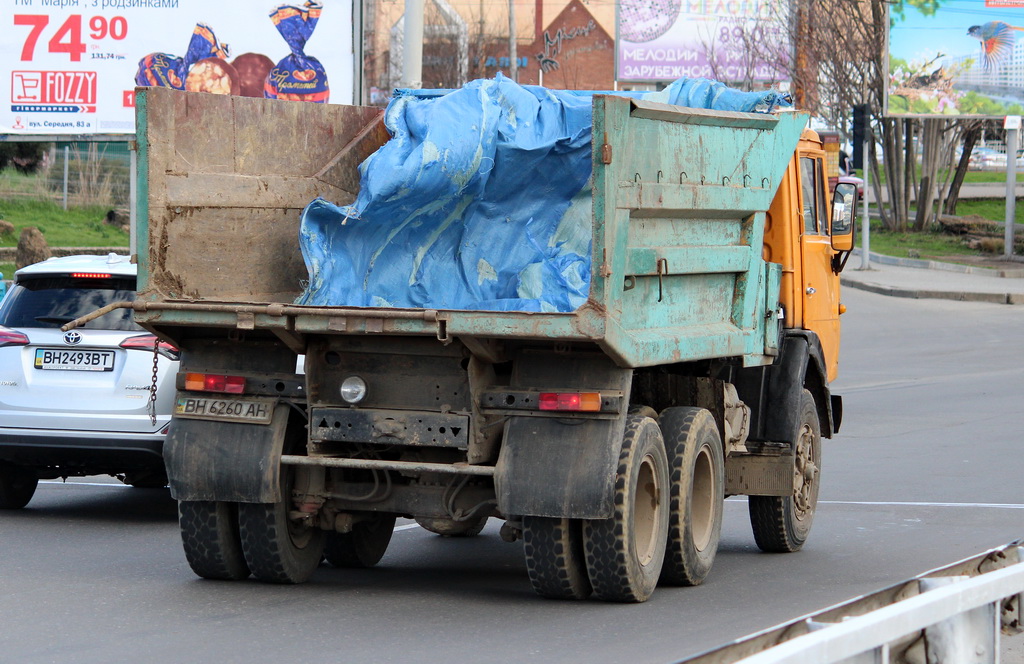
column 728, row 40
column 957, row 58
column 70, row 67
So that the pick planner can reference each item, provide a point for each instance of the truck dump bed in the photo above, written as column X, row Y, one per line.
column 680, row 200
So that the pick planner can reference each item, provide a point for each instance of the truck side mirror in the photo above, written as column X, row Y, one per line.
column 844, row 204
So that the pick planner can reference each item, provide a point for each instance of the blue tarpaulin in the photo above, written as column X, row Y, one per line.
column 480, row 200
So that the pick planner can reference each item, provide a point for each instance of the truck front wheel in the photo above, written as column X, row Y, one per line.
column 554, row 557
column 696, row 489
column 625, row 553
column 209, row 535
column 781, row 523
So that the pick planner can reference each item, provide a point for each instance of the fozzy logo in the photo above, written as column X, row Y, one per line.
column 47, row 90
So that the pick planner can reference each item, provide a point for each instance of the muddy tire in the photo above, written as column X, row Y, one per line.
column 17, row 486
column 555, row 557
column 209, row 535
column 363, row 546
column 697, row 494
column 781, row 524
column 624, row 554
column 279, row 549
column 452, row 528
column 643, row 411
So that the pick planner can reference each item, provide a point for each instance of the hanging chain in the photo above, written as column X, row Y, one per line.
column 151, row 406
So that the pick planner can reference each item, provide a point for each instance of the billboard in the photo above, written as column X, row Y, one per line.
column 69, row 67
column 735, row 40
column 957, row 57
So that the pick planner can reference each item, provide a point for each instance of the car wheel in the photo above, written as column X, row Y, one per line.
column 17, row 486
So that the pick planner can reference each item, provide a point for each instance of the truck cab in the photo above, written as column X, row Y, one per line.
column 812, row 250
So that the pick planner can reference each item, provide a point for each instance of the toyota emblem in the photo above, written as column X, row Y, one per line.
column 72, row 338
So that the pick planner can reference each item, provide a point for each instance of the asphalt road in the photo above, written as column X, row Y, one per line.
column 925, row 471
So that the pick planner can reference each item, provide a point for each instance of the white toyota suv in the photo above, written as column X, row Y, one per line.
column 79, row 402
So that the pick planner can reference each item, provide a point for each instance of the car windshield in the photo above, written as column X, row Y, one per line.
column 52, row 301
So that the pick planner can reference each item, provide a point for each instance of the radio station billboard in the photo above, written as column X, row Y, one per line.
column 734, row 40
column 957, row 58
column 70, row 67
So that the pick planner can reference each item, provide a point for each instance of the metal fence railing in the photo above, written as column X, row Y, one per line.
column 951, row 615
column 70, row 174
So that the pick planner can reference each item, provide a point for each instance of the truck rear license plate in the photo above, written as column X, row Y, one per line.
column 60, row 359
column 254, row 411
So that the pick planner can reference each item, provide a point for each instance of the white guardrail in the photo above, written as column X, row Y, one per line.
column 951, row 615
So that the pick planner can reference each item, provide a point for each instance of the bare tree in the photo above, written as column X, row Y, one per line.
column 840, row 61
column 738, row 51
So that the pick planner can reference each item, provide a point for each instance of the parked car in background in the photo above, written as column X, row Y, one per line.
column 986, row 159
column 854, row 180
column 78, row 402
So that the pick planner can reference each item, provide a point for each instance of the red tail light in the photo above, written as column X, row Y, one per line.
column 201, row 382
column 146, row 341
column 9, row 337
column 571, row 401
column 90, row 275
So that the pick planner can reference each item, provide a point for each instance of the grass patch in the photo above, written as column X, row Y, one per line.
column 925, row 244
column 7, row 269
column 987, row 177
column 74, row 227
column 989, row 208
column 18, row 184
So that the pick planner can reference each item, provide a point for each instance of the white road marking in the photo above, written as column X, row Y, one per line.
column 867, row 503
column 116, row 485
column 1003, row 506
column 880, row 503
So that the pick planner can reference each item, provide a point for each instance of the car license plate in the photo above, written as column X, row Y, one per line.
column 256, row 411
column 62, row 359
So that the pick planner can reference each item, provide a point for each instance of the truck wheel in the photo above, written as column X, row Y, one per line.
column 363, row 546
column 696, row 493
column 624, row 553
column 781, row 523
column 209, row 535
column 554, row 557
column 643, row 411
column 17, row 486
column 277, row 548
column 451, row 528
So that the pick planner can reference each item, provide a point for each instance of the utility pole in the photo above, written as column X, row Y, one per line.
column 412, row 49
column 513, row 57
column 1012, row 125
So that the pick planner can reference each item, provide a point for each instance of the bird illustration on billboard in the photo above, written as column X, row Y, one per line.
column 997, row 39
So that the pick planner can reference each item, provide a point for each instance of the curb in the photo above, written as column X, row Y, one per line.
column 994, row 298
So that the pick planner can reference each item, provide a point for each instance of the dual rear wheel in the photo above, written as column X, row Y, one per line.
column 230, row 541
column 666, row 523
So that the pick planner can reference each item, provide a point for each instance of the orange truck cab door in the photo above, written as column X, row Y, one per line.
column 819, row 283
